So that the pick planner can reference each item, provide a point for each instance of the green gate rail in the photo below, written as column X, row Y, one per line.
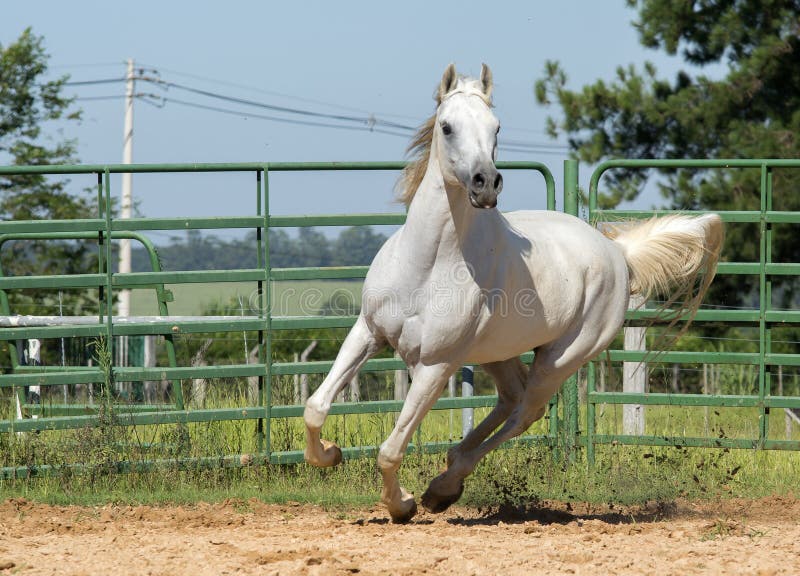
column 764, row 318
column 565, row 429
column 105, row 228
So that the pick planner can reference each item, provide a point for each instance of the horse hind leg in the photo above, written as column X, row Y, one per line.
column 552, row 365
column 357, row 348
column 509, row 377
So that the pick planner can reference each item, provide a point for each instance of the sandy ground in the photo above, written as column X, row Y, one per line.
column 238, row 537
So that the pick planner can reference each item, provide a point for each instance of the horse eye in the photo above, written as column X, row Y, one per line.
column 446, row 129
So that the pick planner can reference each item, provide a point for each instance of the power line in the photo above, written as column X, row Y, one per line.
column 269, row 92
column 94, row 82
column 365, row 123
column 512, row 148
column 368, row 120
column 89, row 98
column 246, row 115
column 87, row 65
column 309, row 100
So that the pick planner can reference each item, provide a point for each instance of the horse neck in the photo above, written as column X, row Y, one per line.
column 440, row 218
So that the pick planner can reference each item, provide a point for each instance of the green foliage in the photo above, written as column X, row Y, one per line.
column 517, row 478
column 27, row 103
column 751, row 112
column 355, row 246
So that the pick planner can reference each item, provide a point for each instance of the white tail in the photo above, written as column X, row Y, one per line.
column 675, row 256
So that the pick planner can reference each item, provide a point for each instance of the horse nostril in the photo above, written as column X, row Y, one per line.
column 479, row 181
column 498, row 182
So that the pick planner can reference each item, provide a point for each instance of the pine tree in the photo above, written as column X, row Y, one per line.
column 751, row 112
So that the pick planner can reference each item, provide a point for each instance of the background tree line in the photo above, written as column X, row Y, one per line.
column 354, row 246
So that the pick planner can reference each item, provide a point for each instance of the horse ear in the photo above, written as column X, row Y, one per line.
column 449, row 80
column 486, row 80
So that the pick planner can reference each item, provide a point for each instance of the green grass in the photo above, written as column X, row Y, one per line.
column 288, row 298
column 518, row 475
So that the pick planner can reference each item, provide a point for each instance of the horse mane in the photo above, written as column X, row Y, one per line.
column 420, row 151
column 420, row 147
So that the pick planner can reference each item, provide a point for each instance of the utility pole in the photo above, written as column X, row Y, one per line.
column 124, row 308
column 127, row 189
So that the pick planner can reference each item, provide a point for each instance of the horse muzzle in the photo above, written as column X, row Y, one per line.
column 484, row 188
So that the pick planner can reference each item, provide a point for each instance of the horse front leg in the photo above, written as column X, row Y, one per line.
column 426, row 387
column 357, row 348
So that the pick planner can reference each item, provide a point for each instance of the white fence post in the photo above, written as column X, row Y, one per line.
column 451, row 391
column 634, row 376
column 400, row 383
column 304, row 377
column 32, row 357
column 467, row 390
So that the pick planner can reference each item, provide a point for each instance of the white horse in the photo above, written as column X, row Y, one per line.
column 461, row 283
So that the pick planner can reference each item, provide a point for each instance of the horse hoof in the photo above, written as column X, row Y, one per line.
column 404, row 517
column 333, row 454
column 330, row 455
column 436, row 502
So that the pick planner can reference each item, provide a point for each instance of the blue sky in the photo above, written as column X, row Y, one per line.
column 356, row 58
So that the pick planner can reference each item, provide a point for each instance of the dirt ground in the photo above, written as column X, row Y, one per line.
column 249, row 537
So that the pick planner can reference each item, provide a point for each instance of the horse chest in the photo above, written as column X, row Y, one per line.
column 426, row 317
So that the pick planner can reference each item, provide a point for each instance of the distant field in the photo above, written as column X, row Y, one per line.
column 294, row 298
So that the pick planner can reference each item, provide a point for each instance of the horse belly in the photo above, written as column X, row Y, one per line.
column 529, row 314
column 506, row 337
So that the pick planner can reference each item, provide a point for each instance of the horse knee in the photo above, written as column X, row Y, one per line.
column 521, row 420
column 314, row 414
column 388, row 459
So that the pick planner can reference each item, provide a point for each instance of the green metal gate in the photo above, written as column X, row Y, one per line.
column 762, row 316
column 565, row 431
column 105, row 228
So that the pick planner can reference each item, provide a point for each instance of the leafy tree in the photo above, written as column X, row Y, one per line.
column 312, row 248
column 281, row 248
column 357, row 246
column 27, row 103
column 751, row 112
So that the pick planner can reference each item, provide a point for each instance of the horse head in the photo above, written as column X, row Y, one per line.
column 465, row 136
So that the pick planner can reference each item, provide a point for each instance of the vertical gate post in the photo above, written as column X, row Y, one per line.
column 764, row 303
column 634, row 376
column 264, row 439
column 570, row 388
column 467, row 390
